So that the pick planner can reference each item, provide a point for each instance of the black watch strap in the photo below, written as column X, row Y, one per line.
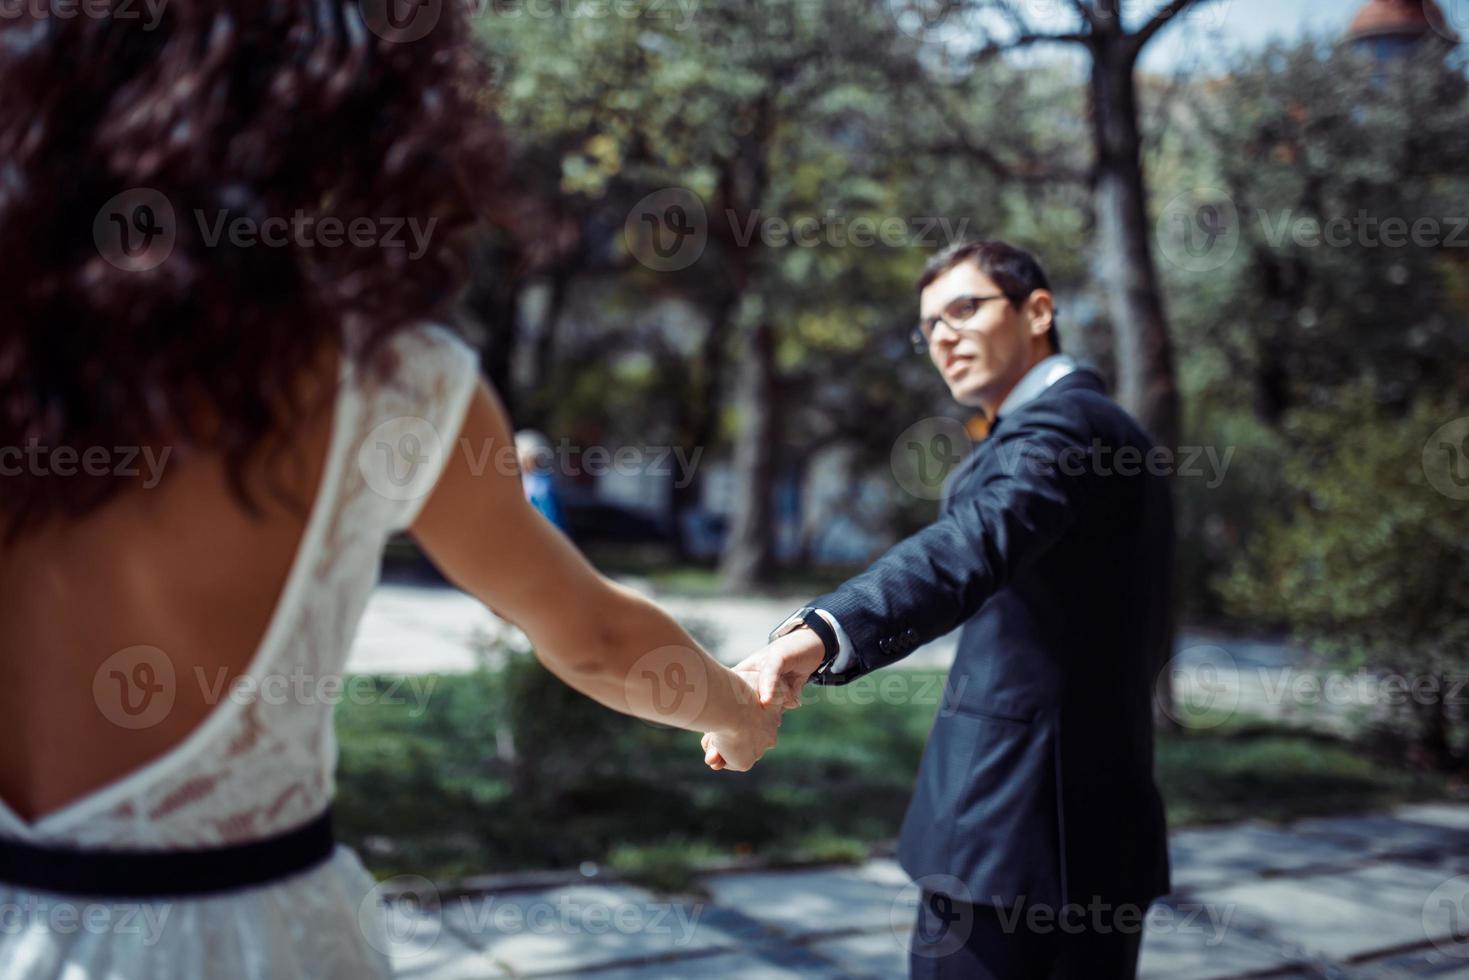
column 808, row 616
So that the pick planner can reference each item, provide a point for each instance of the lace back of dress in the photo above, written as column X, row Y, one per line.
column 264, row 761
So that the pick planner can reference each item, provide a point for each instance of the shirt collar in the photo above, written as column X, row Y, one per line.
column 1041, row 376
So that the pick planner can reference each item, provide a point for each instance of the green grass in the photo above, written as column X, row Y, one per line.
column 429, row 785
column 1250, row 769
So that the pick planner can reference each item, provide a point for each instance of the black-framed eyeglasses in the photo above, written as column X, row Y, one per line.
column 959, row 311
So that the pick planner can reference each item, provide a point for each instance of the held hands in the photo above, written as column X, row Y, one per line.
column 740, row 748
column 773, row 677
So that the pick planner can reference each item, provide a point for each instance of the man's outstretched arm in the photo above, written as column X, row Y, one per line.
column 1015, row 506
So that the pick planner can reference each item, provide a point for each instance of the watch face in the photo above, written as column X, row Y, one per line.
column 793, row 621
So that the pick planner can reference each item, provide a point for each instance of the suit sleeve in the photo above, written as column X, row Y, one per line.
column 1034, row 487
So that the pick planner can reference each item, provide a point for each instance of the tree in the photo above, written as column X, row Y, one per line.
column 764, row 121
column 1124, row 258
column 1368, row 559
column 1326, row 353
column 1301, row 153
column 1337, row 182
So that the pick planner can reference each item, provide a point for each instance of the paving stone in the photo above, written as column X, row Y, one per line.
column 421, row 949
column 871, row 954
column 412, row 629
column 1351, row 913
column 1447, row 864
column 810, row 903
column 1382, row 833
column 1418, row 963
column 1454, row 816
column 1211, row 856
column 580, row 927
column 1186, row 939
column 724, row 966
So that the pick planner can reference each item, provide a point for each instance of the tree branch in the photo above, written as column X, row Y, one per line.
column 1023, row 33
column 1159, row 20
column 1040, row 37
column 1029, row 171
column 1085, row 12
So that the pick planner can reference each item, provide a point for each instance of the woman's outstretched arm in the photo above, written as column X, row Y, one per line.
column 603, row 639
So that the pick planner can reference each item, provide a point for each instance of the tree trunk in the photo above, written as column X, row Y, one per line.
column 747, row 560
column 493, row 300
column 1145, row 379
column 701, row 413
column 1144, row 353
column 1433, row 735
column 558, row 290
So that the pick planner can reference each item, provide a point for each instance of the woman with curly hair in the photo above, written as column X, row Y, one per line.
column 227, row 233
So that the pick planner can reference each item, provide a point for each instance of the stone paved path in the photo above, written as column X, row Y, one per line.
column 1358, row 898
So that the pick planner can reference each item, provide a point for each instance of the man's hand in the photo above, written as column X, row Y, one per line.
column 775, row 674
column 786, row 664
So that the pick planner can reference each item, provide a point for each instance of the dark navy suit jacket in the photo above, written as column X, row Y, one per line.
column 1054, row 550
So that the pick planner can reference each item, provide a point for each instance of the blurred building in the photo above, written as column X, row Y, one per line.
column 1389, row 29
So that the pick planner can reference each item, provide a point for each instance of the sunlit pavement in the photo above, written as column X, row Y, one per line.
column 409, row 629
column 1375, row 896
column 414, row 629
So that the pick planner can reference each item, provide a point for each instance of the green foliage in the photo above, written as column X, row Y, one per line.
column 432, row 788
column 1363, row 553
column 785, row 113
column 1249, row 771
column 1297, row 144
column 510, row 770
column 1311, row 150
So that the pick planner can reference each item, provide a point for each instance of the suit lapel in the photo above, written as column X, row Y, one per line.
column 1082, row 377
column 962, row 471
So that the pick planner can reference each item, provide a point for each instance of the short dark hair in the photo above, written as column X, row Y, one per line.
column 1014, row 270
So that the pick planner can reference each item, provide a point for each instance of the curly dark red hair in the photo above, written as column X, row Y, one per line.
column 261, row 110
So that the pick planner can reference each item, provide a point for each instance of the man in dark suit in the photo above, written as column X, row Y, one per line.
column 1036, row 833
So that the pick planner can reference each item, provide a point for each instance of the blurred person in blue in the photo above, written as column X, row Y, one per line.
column 537, row 478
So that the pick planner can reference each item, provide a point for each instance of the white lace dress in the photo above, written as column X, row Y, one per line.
column 260, row 765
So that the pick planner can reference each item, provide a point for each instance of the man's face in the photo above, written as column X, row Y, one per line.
column 995, row 347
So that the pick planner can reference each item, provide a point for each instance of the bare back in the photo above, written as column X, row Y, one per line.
column 181, row 567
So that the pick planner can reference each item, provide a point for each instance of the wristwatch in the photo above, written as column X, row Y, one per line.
column 808, row 617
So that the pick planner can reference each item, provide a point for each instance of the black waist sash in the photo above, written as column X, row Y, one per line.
column 110, row 873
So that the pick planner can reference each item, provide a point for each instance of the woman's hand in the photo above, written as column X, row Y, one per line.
column 741, row 747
